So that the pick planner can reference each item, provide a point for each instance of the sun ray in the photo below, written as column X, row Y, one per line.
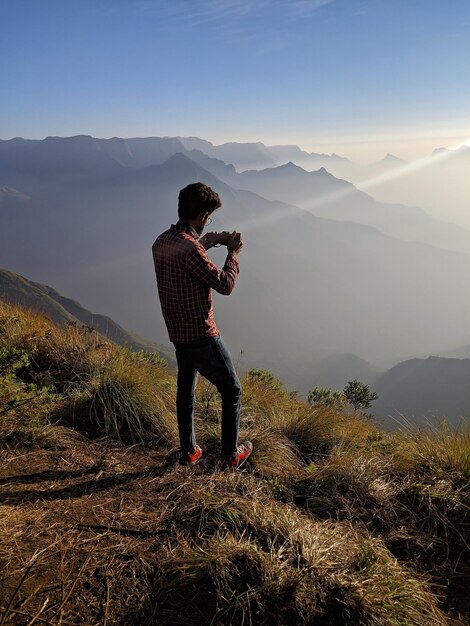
column 369, row 183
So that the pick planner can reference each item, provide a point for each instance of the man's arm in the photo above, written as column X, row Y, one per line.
column 206, row 272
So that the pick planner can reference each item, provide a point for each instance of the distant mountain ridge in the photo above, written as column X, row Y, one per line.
column 424, row 391
column 257, row 155
column 79, row 156
column 440, row 185
column 327, row 196
column 74, row 159
column 337, row 370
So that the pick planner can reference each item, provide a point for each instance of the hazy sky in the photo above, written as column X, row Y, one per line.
column 359, row 77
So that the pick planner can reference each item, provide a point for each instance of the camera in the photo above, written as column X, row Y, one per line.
column 223, row 238
column 215, row 240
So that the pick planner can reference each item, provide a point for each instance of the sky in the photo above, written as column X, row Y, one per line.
column 356, row 77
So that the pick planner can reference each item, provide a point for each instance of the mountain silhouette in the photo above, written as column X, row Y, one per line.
column 424, row 391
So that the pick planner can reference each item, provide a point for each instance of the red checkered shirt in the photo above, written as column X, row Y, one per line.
column 185, row 276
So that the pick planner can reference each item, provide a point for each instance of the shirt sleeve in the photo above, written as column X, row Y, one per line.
column 203, row 270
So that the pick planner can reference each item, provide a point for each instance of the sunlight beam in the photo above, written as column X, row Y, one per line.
column 398, row 172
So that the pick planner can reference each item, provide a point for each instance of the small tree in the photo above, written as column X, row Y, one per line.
column 327, row 397
column 359, row 395
column 266, row 378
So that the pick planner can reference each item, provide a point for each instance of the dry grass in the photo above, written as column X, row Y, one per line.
column 59, row 356
column 313, row 431
column 423, row 516
column 241, row 558
column 102, row 388
column 127, row 399
column 441, row 449
column 331, row 521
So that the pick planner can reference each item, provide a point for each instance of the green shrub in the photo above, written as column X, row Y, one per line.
column 266, row 379
column 150, row 357
column 327, row 397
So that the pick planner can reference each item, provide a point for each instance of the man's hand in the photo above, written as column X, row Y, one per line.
column 209, row 240
column 235, row 242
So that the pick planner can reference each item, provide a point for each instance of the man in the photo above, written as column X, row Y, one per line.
column 185, row 277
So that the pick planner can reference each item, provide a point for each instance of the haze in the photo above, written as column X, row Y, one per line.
column 337, row 133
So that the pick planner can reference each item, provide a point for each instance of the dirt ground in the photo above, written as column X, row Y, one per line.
column 80, row 524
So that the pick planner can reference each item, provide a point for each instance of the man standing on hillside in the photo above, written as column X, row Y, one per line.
column 185, row 277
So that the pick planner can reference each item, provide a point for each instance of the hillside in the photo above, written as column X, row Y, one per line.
column 424, row 390
column 337, row 370
column 345, row 524
column 17, row 289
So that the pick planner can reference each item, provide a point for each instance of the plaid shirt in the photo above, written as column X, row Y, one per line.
column 185, row 276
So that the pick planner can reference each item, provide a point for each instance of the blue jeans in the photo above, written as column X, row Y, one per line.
column 210, row 357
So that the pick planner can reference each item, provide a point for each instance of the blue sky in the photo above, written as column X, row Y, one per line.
column 355, row 76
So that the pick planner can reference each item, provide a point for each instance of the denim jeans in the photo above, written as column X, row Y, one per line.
column 210, row 357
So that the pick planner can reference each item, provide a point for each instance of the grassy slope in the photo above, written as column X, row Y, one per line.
column 99, row 525
column 17, row 289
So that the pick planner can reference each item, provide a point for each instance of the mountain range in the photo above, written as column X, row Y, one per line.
column 79, row 216
column 438, row 182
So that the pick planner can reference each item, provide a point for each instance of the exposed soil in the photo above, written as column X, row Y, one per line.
column 76, row 519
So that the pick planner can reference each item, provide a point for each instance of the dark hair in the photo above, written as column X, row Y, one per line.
column 197, row 198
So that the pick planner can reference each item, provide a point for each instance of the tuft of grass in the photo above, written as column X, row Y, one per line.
column 433, row 467
column 240, row 557
column 58, row 356
column 128, row 400
column 311, row 430
column 317, row 430
column 101, row 388
column 231, row 581
column 348, row 485
column 274, row 454
column 422, row 515
column 441, row 449
column 391, row 594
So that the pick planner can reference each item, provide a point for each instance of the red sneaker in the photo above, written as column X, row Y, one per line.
column 191, row 458
column 243, row 452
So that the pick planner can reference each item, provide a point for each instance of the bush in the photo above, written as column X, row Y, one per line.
column 326, row 397
column 150, row 357
column 15, row 395
column 266, row 379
